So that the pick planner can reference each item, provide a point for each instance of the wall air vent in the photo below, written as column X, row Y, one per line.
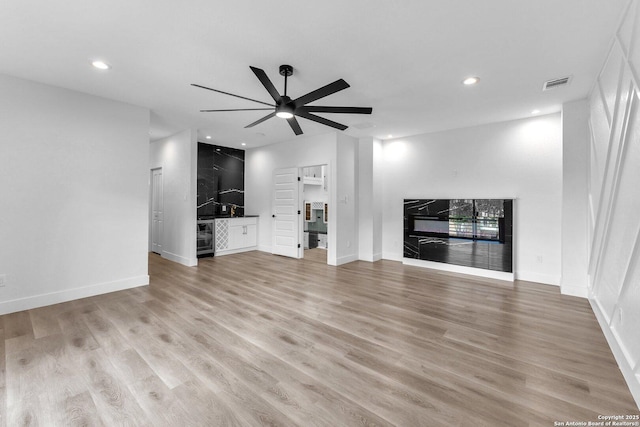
column 555, row 83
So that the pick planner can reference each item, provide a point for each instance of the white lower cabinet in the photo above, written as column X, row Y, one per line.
column 235, row 235
column 322, row 240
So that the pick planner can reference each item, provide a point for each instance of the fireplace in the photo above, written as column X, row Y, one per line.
column 429, row 226
column 467, row 232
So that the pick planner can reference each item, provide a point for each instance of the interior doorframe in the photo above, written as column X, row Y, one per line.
column 330, row 242
column 151, row 198
column 300, row 216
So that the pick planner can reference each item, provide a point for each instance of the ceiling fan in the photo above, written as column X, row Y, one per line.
column 288, row 108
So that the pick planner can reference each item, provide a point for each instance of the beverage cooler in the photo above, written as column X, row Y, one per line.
column 205, row 238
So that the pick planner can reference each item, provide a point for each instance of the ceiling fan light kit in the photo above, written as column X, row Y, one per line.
column 289, row 109
column 283, row 114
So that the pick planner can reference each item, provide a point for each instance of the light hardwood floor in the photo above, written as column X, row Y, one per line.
column 256, row 339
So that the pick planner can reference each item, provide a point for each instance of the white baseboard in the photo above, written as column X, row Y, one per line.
column 346, row 259
column 491, row 274
column 575, row 291
column 392, row 256
column 236, row 251
column 633, row 380
column 35, row 301
column 264, row 248
column 189, row 262
column 546, row 279
column 372, row 258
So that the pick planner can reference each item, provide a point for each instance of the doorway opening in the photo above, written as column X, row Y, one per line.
column 315, row 210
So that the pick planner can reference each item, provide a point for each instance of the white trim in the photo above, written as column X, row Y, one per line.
column 264, row 248
column 481, row 272
column 236, row 251
column 575, row 291
column 546, row 279
column 621, row 149
column 617, row 349
column 601, row 311
column 392, row 256
column 189, row 262
column 346, row 259
column 372, row 258
column 42, row 300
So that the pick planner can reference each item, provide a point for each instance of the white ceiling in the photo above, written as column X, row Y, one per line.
column 406, row 59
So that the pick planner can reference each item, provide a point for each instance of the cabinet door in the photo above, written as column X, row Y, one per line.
column 236, row 237
column 322, row 241
column 308, row 212
column 251, row 235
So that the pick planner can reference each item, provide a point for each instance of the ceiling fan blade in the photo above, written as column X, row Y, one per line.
column 319, row 119
column 231, row 94
column 295, row 125
column 237, row 109
column 345, row 110
column 262, row 76
column 267, row 117
column 327, row 90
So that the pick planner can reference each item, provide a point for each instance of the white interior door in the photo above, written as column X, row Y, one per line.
column 156, row 211
column 286, row 221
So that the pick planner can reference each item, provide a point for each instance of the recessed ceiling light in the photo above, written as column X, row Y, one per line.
column 101, row 65
column 389, row 136
column 243, row 144
column 470, row 81
column 535, row 111
column 208, row 136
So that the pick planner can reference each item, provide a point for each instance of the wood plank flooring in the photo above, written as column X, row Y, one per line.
column 256, row 339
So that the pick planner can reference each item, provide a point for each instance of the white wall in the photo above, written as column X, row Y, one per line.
column 614, row 198
column 519, row 159
column 259, row 166
column 315, row 193
column 369, row 196
column 575, row 163
column 177, row 155
column 345, row 190
column 338, row 152
column 378, row 194
column 73, row 195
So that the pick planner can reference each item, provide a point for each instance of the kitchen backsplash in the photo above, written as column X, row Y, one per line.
column 220, row 181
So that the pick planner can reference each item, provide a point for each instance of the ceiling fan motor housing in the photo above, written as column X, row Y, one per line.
column 285, row 107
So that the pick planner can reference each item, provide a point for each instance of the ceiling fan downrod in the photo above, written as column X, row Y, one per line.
column 286, row 71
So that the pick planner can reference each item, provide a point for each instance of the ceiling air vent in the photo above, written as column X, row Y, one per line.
column 552, row 84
